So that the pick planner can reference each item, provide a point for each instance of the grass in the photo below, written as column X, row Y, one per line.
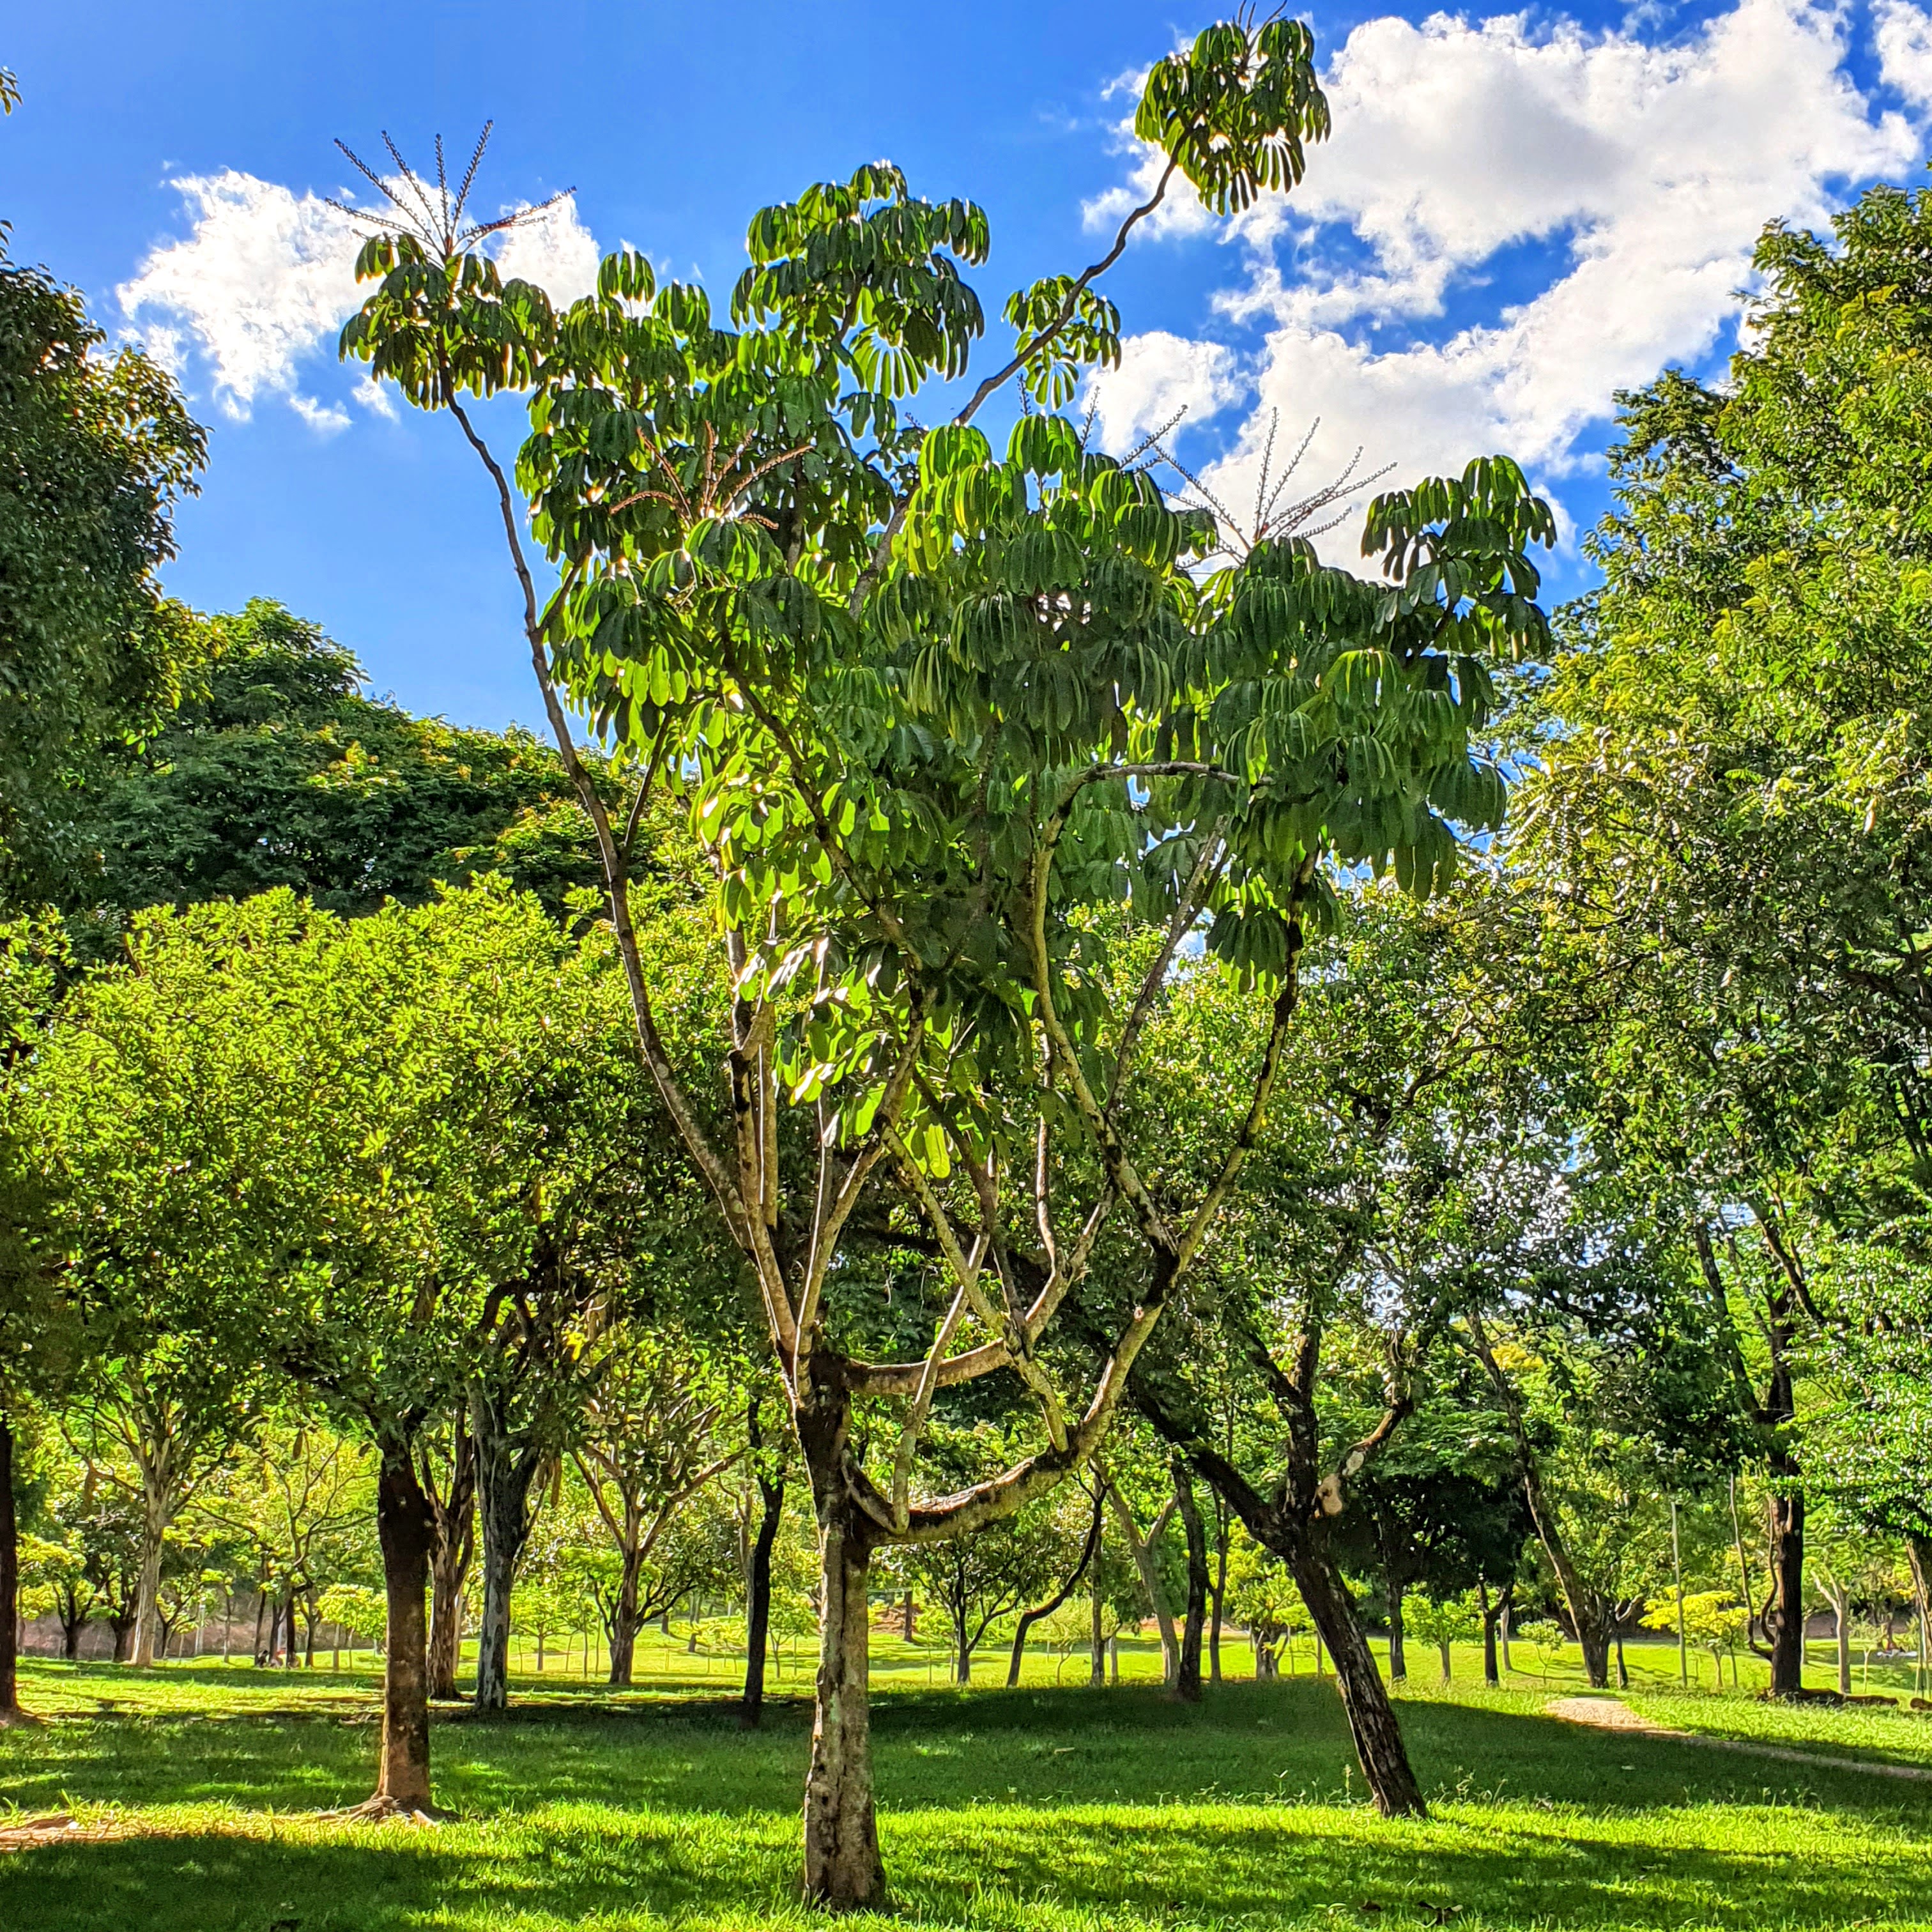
column 1050, row 1808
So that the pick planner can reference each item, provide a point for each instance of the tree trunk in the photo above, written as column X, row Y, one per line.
column 123, row 1628
column 1785, row 1623
column 452, row 1547
column 1096, row 1673
column 962, row 1649
column 842, row 1866
column 1442, row 1645
column 758, row 1605
column 1218, row 1595
column 1397, row 1649
column 505, row 1471
column 625, row 1621
column 9, row 1581
column 1918, row 1557
column 155, row 1516
column 1142, row 1548
column 261, row 1611
column 1594, row 1642
column 1841, row 1605
column 405, row 1525
column 1372, row 1721
column 1187, row 1676
column 1029, row 1618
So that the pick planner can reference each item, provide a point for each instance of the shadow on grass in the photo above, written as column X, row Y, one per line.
column 1166, row 1867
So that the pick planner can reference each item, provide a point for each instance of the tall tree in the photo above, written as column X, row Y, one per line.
column 929, row 707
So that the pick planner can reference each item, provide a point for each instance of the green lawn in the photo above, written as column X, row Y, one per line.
column 1062, row 1809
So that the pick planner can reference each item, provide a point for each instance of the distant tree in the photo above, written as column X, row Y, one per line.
column 277, row 769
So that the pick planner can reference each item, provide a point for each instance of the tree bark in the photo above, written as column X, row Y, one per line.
column 1218, row 1593
column 406, row 1527
column 1398, row 1650
column 9, row 1581
column 1785, row 1625
column 1187, row 1674
column 1372, row 1720
column 625, row 1622
column 758, row 1604
column 452, row 1546
column 1142, row 1548
column 505, row 1471
column 842, row 1866
column 1096, row 1673
column 156, row 1515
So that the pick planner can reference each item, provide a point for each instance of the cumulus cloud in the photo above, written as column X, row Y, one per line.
column 1162, row 377
column 259, row 286
column 1904, row 40
column 1647, row 172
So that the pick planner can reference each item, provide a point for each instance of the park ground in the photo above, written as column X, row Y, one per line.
column 196, row 1791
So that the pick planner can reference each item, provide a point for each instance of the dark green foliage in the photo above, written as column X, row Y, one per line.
column 94, row 452
column 277, row 769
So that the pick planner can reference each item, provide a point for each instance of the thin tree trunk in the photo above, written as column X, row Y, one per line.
column 1142, row 1548
column 1218, row 1595
column 1096, row 1673
column 758, row 1604
column 1492, row 1676
column 1372, row 1720
column 962, row 1649
column 1786, row 1622
column 453, row 1546
column 1187, row 1676
column 405, row 1526
column 1919, row 1556
column 1029, row 1618
column 261, row 1611
column 1398, row 1650
column 9, row 1581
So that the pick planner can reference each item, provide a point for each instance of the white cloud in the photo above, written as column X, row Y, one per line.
column 1904, row 40
column 1160, row 376
column 263, row 280
column 556, row 251
column 1651, row 169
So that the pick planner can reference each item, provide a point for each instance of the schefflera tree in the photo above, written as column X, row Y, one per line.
column 932, row 708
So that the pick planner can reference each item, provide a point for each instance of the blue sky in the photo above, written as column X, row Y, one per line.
column 1518, row 213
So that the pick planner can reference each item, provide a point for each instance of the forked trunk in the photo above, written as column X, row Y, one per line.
column 405, row 1526
column 504, row 1475
column 452, row 1547
column 758, row 1605
column 1371, row 1721
column 1187, row 1674
column 842, row 1866
column 1785, row 1623
column 10, row 1580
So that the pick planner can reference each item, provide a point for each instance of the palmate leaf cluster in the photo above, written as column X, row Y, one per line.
column 927, row 699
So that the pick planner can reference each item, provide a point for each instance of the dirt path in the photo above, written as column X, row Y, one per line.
column 1607, row 1714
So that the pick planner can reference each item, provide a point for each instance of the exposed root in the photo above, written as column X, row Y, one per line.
column 382, row 1811
column 59, row 1827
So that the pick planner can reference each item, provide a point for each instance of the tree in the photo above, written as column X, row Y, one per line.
column 276, row 769
column 929, row 707
column 1735, row 741
column 1409, row 1163
column 650, row 1441
column 95, row 451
